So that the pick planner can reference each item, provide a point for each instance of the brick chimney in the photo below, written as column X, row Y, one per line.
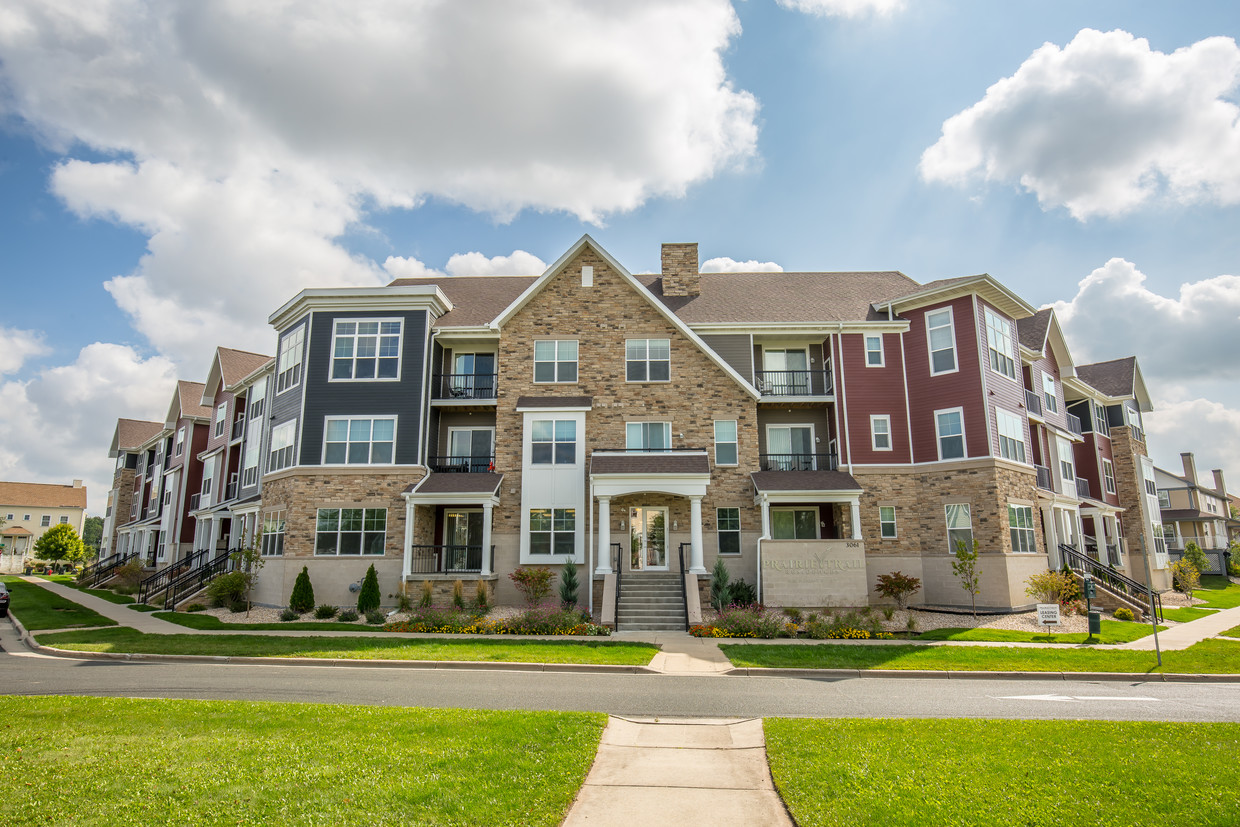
column 1190, row 468
column 1219, row 485
column 680, row 270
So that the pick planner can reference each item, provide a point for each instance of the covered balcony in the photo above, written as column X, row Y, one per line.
column 781, row 384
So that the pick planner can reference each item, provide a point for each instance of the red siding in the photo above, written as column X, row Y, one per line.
column 1002, row 392
column 874, row 391
column 1089, row 455
column 1048, row 364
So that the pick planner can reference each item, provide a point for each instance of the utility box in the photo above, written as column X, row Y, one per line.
column 1095, row 623
column 1091, row 589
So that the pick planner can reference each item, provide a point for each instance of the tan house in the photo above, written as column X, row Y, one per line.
column 29, row 509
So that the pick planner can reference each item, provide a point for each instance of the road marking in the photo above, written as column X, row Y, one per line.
column 1074, row 698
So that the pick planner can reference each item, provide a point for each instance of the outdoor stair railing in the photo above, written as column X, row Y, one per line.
column 1112, row 580
column 159, row 581
column 619, row 569
column 88, row 572
column 684, row 583
column 103, row 572
column 194, row 579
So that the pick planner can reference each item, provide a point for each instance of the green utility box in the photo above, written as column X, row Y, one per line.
column 1095, row 623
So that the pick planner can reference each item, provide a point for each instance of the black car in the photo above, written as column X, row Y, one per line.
column 4, row 600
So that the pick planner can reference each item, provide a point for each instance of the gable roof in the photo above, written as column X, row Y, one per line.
column 1032, row 329
column 228, row 368
column 984, row 284
column 132, row 434
column 42, row 495
column 1119, row 378
column 187, row 402
column 476, row 300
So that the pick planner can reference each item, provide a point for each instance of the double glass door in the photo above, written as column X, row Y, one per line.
column 462, row 540
column 648, row 539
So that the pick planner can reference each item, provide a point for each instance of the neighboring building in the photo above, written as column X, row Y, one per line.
column 1194, row 513
column 29, row 509
column 127, row 440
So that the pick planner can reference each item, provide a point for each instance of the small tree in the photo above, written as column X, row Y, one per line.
column 482, row 598
column 428, row 595
column 302, row 598
column 1186, row 577
column 368, row 597
column 720, row 585
column 965, row 567
column 898, row 586
column 534, row 584
column 569, row 584
column 1050, row 586
column 250, row 562
column 1194, row 555
column 61, row 544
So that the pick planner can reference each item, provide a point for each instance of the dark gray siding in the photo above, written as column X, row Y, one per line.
column 401, row 398
column 286, row 406
column 733, row 348
column 264, row 438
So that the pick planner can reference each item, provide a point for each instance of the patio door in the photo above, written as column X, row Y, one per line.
column 790, row 448
column 462, row 539
column 469, row 449
column 473, row 375
column 648, row 539
column 786, row 372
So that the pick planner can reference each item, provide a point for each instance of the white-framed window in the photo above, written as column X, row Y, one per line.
column 288, row 365
column 555, row 360
column 1168, row 534
column 726, row 451
column 64, row 520
column 46, row 521
column 208, row 480
column 949, row 431
column 874, row 350
column 1164, row 498
column 359, row 441
column 257, row 399
column 283, row 437
column 167, row 496
column 999, row 343
column 366, row 349
column 887, row 521
column 941, row 334
column 1067, row 468
column 1048, row 392
column 221, row 418
column 728, row 525
column 180, row 443
column 26, row 517
column 249, row 459
column 1020, row 524
column 794, row 523
column 959, row 526
column 553, row 531
column 648, row 436
column 348, row 531
column 1100, row 420
column 647, row 360
column 273, row 534
column 1011, row 436
column 791, row 448
column 1108, row 477
column 880, row 432
column 553, row 442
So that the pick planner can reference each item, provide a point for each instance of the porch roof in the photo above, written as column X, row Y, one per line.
column 773, row 481
column 1190, row 515
column 649, row 463
column 16, row 531
column 440, row 483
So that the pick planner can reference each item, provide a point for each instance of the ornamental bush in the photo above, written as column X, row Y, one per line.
column 898, row 587
column 458, row 594
column 347, row 616
column 743, row 594
column 751, row 621
column 1185, row 577
column 325, row 612
column 1124, row 613
column 368, row 597
column 289, row 614
column 302, row 598
column 720, row 587
column 1050, row 586
column 568, row 585
column 482, row 597
column 228, row 590
column 1194, row 555
column 534, row 584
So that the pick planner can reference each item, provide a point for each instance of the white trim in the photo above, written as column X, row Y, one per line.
column 557, row 361
column 1111, row 489
column 377, row 299
column 895, row 530
column 718, row 532
column 302, row 329
column 886, row 419
column 938, row 438
column 350, row 419
column 987, row 314
column 813, row 438
column 865, row 348
column 1046, row 374
column 358, row 320
column 908, row 415
column 951, row 325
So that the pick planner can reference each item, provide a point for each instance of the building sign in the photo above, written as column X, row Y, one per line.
column 1048, row 614
column 814, row 573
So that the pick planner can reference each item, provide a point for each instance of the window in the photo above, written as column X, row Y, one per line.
column 221, row 415
column 1067, row 471
column 785, row 372
column 1011, row 436
column 1108, row 477
column 553, row 530
column 180, row 444
column 208, row 479
column 1048, row 392
column 470, row 449
column 794, row 523
column 1100, row 419
column 725, row 442
column 168, row 496
column 790, row 448
column 288, row 368
column 728, row 524
column 999, row 342
column 9, row 517
column 647, row 360
column 249, row 463
column 1020, row 524
column 258, row 396
column 553, row 442
column 949, row 428
column 64, row 520
column 282, row 438
column 959, row 526
column 342, row 531
column 648, row 436
column 555, row 360
column 26, row 517
column 273, row 534
column 942, row 336
column 880, row 432
column 1168, row 534
column 874, row 351
column 46, row 521
column 1164, row 498
column 366, row 349
column 361, row 441
column 887, row 521
column 1149, row 487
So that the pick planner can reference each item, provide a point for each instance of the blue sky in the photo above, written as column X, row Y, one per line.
column 168, row 177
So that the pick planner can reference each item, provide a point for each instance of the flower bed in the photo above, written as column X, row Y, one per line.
column 543, row 620
column 755, row 621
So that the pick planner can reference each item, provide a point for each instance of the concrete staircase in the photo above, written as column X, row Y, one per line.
column 651, row 601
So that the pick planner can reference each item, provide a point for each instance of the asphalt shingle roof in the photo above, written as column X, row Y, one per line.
column 1032, row 329
column 1114, row 378
column 42, row 495
column 236, row 365
column 476, row 300
column 132, row 434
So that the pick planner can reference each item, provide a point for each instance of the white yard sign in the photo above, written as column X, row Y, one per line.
column 1048, row 614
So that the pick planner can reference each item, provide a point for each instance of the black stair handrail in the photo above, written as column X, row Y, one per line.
column 106, row 571
column 619, row 571
column 194, row 579
column 89, row 571
column 684, row 582
column 158, row 581
column 1113, row 580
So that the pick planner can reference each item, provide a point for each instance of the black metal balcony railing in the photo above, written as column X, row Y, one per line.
column 238, row 428
column 194, row 500
column 795, row 383
column 1033, row 403
column 1082, row 487
column 1074, row 424
column 1044, row 478
column 230, row 491
column 449, row 559
column 462, row 465
column 466, row 386
column 798, row 462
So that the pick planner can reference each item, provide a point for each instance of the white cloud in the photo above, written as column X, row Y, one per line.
column 1193, row 336
column 844, row 8
column 1104, row 125
column 399, row 267
column 16, row 346
column 520, row 263
column 58, row 423
column 723, row 264
column 1210, row 430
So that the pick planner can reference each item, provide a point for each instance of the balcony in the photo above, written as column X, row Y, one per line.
column 462, row 465
column 798, row 462
column 784, row 383
column 446, row 559
column 1074, row 424
column 1044, row 478
column 1033, row 402
column 465, row 387
column 1082, row 487
column 238, row 429
column 194, row 500
column 1137, row 434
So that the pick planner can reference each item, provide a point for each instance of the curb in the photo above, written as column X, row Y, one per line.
column 841, row 674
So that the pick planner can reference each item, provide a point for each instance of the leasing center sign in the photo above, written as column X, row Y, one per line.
column 813, row 573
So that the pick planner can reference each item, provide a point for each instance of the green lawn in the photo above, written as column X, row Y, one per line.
column 1113, row 631
column 144, row 607
column 37, row 608
column 106, row 761
column 1212, row 656
column 962, row 772
column 70, row 580
column 1218, row 592
column 361, row 648
column 193, row 620
column 1185, row 615
column 1232, row 632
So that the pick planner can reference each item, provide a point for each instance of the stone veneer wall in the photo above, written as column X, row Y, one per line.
column 122, row 484
column 1130, row 486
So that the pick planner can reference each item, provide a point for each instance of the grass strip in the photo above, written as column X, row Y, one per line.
column 1209, row 656
column 1218, row 592
column 144, row 607
column 155, row 762
column 848, row 772
column 360, row 648
column 37, row 608
column 71, row 581
column 1232, row 632
column 1185, row 615
column 193, row 620
column 1113, row 631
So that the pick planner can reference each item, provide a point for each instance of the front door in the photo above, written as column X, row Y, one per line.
column 462, row 539
column 648, row 539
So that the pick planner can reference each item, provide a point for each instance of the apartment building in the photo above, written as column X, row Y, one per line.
column 127, row 441
column 29, row 509
column 1192, row 512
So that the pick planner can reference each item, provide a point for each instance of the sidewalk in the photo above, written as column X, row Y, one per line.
column 1186, row 634
column 142, row 621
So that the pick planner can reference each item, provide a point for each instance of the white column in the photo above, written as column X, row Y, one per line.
column 854, row 508
column 1075, row 516
column 1104, row 554
column 696, row 562
column 407, row 565
column 604, row 536
column 766, row 517
column 1050, row 534
column 216, row 525
column 487, row 562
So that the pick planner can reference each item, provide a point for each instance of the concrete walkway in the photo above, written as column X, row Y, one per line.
column 695, row 771
column 142, row 621
column 680, row 653
column 1185, row 635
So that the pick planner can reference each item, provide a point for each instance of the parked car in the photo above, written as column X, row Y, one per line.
column 4, row 600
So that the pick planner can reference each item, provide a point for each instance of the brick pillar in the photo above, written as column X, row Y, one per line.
column 680, row 270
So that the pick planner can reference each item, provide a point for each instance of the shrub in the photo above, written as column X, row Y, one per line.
column 1050, row 586
column 720, row 587
column 1194, row 555
column 568, row 584
column 375, row 617
column 1073, row 591
column 750, row 621
column 898, row 587
column 743, row 594
column 889, row 612
column 403, row 603
column 1233, row 569
column 368, row 597
column 195, row 607
column 534, row 584
column 302, row 598
column 793, row 614
column 228, row 590
column 482, row 597
column 1187, row 577
column 129, row 574
column 1124, row 613
column 347, row 616
column 289, row 614
column 850, row 625
column 458, row 594
column 428, row 595
column 325, row 612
